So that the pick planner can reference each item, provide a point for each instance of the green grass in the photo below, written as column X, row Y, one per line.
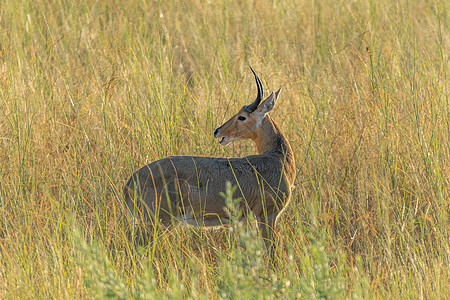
column 92, row 90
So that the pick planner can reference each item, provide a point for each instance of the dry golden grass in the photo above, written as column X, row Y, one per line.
column 92, row 90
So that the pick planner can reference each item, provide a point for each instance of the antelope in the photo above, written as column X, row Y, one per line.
column 188, row 188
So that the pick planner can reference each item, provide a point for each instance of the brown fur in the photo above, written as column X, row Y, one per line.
column 190, row 186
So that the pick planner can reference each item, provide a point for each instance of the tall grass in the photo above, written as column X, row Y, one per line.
column 92, row 90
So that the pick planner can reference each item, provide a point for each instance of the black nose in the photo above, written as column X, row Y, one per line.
column 216, row 131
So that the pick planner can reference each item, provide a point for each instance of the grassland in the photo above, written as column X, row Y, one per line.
column 92, row 90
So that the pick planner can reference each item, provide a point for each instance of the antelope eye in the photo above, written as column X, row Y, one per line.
column 241, row 118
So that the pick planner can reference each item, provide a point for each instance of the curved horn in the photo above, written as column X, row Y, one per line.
column 251, row 108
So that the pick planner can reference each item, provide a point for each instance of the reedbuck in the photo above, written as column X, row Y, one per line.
column 188, row 188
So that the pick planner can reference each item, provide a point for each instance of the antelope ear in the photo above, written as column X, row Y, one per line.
column 268, row 104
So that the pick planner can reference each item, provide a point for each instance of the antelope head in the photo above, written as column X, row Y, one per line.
column 244, row 125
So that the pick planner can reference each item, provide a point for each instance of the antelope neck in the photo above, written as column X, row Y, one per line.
column 269, row 139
